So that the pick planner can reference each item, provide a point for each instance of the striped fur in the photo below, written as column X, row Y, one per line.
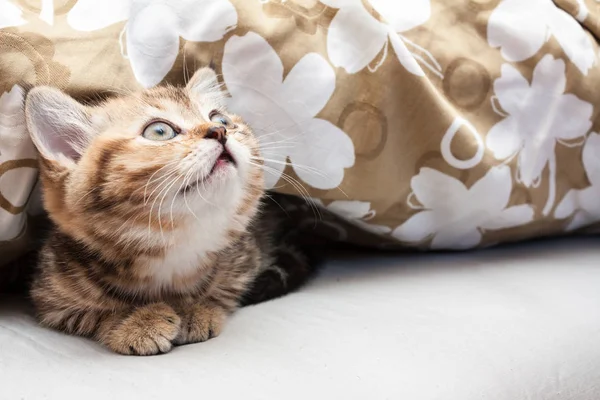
column 152, row 245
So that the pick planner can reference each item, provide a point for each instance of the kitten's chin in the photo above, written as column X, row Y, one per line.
column 222, row 172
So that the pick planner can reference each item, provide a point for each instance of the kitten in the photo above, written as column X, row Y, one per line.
column 160, row 228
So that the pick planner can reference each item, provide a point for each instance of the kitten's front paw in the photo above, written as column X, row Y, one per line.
column 148, row 330
column 200, row 323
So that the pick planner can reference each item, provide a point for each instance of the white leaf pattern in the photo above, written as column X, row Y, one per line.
column 520, row 29
column 10, row 14
column 282, row 111
column 455, row 216
column 540, row 114
column 13, row 129
column 355, row 37
column 357, row 213
column 584, row 205
column 15, row 184
column 153, row 51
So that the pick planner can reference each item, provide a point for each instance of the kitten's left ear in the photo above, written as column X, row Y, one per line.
column 205, row 88
column 59, row 126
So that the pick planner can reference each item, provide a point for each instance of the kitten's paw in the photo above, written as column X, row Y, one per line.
column 200, row 323
column 148, row 330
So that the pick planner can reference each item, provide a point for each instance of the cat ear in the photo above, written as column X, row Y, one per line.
column 204, row 87
column 59, row 126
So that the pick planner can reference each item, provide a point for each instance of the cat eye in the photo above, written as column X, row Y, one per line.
column 219, row 118
column 159, row 131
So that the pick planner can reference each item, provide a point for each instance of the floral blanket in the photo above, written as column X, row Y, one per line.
column 437, row 124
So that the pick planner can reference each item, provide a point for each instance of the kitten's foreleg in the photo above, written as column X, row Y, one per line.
column 200, row 322
column 145, row 330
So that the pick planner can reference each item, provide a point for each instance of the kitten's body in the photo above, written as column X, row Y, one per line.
column 155, row 241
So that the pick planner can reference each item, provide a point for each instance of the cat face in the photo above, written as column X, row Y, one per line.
column 157, row 159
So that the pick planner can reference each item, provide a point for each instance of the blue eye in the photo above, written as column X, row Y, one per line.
column 221, row 119
column 159, row 131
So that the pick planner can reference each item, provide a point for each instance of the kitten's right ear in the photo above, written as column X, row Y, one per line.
column 59, row 126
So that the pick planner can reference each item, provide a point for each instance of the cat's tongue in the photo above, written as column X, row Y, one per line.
column 225, row 158
column 221, row 162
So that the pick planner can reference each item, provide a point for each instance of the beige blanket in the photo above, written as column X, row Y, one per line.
column 438, row 124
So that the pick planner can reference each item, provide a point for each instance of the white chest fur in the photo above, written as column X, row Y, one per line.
column 189, row 248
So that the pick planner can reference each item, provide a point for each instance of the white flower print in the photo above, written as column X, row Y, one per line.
column 14, row 139
column 356, row 212
column 540, row 114
column 10, row 14
column 16, row 182
column 154, row 26
column 47, row 12
column 455, row 216
column 582, row 11
column 584, row 205
column 355, row 37
column 520, row 28
column 282, row 111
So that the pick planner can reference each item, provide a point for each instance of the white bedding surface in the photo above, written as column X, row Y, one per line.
column 512, row 323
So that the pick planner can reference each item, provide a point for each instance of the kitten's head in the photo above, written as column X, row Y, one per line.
column 157, row 159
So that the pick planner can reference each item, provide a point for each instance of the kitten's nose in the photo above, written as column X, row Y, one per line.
column 218, row 133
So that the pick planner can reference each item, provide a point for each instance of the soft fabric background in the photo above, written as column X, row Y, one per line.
column 442, row 124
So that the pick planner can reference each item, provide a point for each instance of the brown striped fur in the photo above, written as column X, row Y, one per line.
column 135, row 260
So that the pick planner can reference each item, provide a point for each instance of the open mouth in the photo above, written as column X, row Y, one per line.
column 224, row 159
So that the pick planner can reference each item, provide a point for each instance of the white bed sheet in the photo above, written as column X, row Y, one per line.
column 512, row 323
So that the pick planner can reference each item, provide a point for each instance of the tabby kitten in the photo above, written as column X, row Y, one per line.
column 160, row 227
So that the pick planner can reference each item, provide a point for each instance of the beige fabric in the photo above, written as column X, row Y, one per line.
column 425, row 123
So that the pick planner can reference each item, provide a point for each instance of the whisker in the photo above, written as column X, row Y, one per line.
column 161, row 203
column 276, row 202
column 271, row 148
column 162, row 182
column 300, row 167
column 297, row 123
column 279, row 143
column 187, row 181
column 302, row 191
column 304, row 194
column 198, row 188
column 262, row 139
column 295, row 165
column 166, row 190
column 183, row 183
column 171, row 163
